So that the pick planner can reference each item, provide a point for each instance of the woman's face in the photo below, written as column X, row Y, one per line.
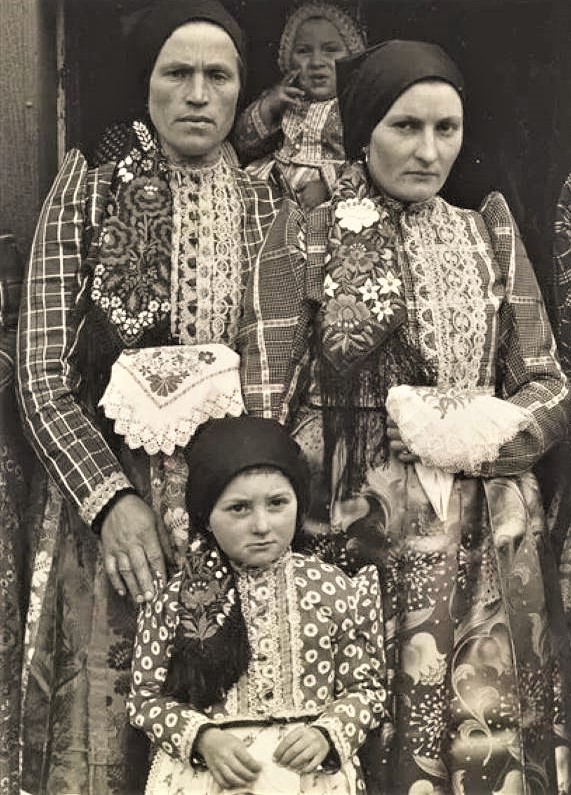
column 193, row 91
column 414, row 146
column 254, row 518
column 317, row 46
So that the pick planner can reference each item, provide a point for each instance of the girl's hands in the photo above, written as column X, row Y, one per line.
column 302, row 749
column 397, row 446
column 227, row 758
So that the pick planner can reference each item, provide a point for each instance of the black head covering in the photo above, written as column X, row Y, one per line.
column 224, row 448
column 161, row 19
column 370, row 82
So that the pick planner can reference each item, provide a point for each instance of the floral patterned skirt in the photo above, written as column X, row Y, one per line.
column 76, row 738
column 475, row 634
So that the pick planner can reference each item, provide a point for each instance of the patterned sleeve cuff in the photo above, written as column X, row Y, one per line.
column 336, row 732
column 99, row 498
column 261, row 128
column 197, row 722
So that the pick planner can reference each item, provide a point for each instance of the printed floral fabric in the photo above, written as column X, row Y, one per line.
column 159, row 396
column 15, row 474
column 317, row 654
column 476, row 639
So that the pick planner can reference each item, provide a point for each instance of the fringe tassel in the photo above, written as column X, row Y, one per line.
column 354, row 405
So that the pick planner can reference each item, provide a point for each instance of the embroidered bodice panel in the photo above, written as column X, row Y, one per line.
column 312, row 133
column 452, row 297
column 207, row 267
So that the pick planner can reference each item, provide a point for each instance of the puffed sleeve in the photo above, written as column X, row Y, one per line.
column 360, row 696
column 562, row 263
column 252, row 137
column 529, row 372
column 169, row 724
column 69, row 445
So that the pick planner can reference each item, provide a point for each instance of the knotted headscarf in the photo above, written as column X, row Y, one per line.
column 370, row 82
column 350, row 34
column 161, row 19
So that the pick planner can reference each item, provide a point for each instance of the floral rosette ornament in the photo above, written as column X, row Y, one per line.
column 363, row 292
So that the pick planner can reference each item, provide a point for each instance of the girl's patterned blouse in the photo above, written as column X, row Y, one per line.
column 317, row 654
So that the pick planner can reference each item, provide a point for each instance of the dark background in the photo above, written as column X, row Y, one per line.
column 515, row 56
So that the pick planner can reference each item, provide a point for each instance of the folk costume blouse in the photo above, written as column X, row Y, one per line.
column 130, row 254
column 317, row 655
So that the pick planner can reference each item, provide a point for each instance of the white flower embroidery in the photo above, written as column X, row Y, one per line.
column 369, row 291
column 390, row 284
column 382, row 310
column 330, row 286
column 355, row 214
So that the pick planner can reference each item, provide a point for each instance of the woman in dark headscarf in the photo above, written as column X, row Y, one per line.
column 139, row 266
column 438, row 387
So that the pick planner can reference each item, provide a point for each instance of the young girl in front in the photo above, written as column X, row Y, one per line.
column 293, row 131
column 256, row 669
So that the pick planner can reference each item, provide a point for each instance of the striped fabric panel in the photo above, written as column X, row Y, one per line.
column 527, row 356
column 70, row 446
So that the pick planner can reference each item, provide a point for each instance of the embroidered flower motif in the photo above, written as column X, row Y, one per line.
column 390, row 284
column 382, row 310
column 346, row 312
column 355, row 214
column 147, row 196
column 207, row 357
column 369, row 291
column 357, row 257
column 163, row 385
column 117, row 239
column 330, row 286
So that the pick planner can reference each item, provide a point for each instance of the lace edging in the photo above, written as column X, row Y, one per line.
column 99, row 498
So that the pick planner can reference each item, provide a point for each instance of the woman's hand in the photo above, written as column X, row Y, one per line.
column 227, row 758
column 397, row 446
column 131, row 548
column 277, row 99
column 302, row 749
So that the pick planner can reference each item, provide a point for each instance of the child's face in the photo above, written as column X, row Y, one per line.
column 316, row 48
column 254, row 518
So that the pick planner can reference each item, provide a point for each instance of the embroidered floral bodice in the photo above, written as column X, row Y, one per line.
column 171, row 248
column 317, row 651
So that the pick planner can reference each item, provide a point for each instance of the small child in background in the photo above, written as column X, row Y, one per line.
column 256, row 668
column 295, row 124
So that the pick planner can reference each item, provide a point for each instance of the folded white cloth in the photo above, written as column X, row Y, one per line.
column 452, row 431
column 158, row 397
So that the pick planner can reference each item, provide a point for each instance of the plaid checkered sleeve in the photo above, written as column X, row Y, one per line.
column 529, row 372
column 252, row 137
column 69, row 445
column 562, row 263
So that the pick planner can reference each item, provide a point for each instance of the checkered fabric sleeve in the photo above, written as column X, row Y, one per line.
column 252, row 138
column 562, row 262
column 69, row 445
column 170, row 724
column 529, row 371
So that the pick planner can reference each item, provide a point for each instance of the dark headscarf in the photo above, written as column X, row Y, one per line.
column 224, row 448
column 369, row 83
column 161, row 19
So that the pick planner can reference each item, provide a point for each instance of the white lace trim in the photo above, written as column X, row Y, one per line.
column 159, row 396
column 206, row 283
column 450, row 298
column 99, row 498
column 454, row 430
